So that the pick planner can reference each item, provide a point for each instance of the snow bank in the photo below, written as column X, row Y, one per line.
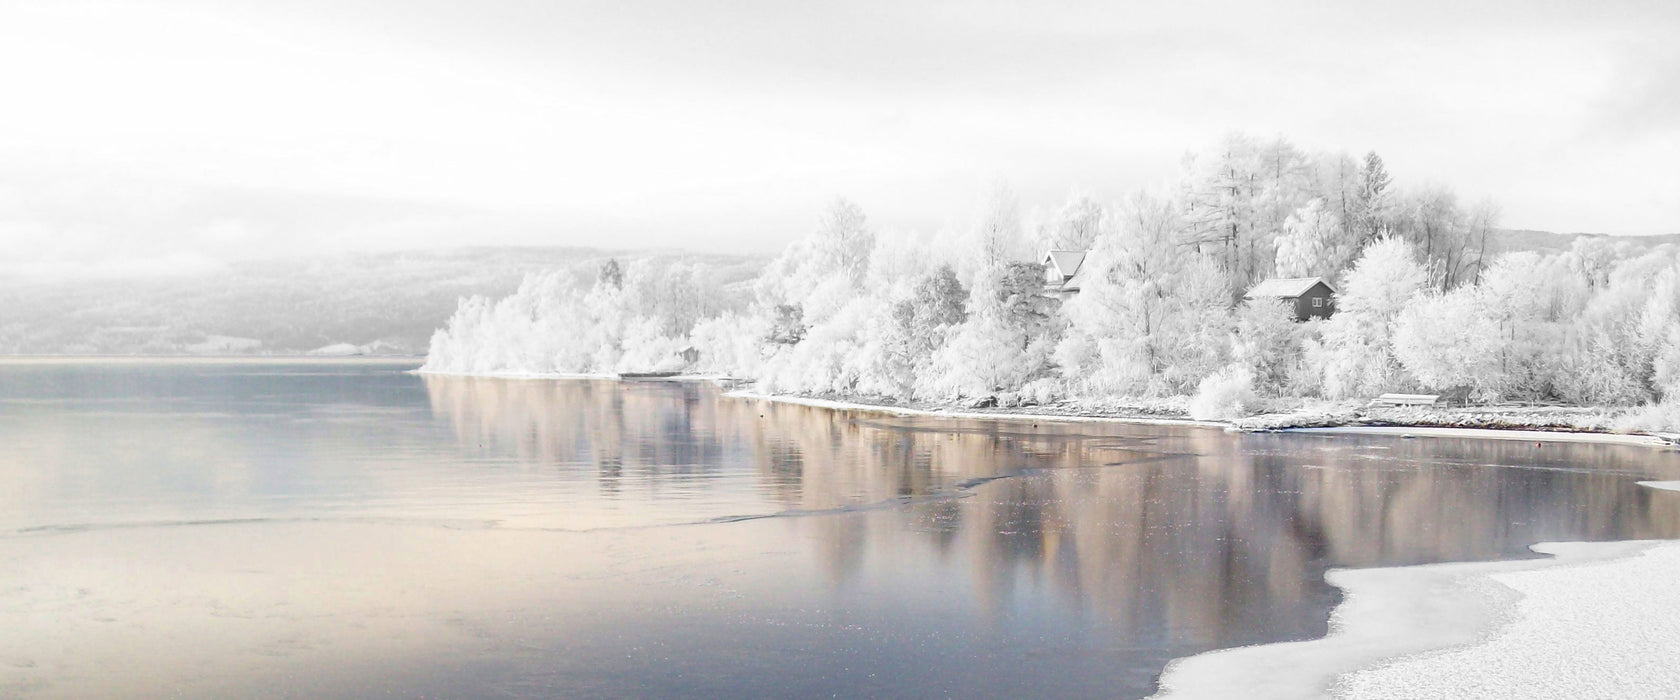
column 1597, row 620
column 1605, row 630
column 1387, row 613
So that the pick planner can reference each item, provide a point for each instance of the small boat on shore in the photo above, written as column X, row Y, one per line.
column 646, row 376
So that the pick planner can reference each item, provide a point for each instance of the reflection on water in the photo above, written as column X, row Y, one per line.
column 532, row 538
column 1181, row 539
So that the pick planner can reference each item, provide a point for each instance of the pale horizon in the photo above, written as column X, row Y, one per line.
column 171, row 136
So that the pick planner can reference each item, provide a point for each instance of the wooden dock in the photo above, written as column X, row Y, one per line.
column 1406, row 400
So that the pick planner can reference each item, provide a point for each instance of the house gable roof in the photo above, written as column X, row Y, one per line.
column 1286, row 287
column 1067, row 262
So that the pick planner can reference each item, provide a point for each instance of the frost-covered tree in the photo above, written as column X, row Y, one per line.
column 633, row 317
column 1373, row 203
column 997, row 239
column 731, row 344
column 920, row 324
column 1151, row 316
column 821, row 272
column 1220, row 192
column 1020, row 293
column 1075, row 226
column 611, row 274
column 1449, row 239
column 1448, row 343
column 1337, row 177
column 1312, row 243
column 1358, row 340
column 1285, row 184
column 965, row 315
column 1268, row 342
column 986, row 354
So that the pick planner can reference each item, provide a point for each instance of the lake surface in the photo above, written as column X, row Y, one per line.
column 349, row 529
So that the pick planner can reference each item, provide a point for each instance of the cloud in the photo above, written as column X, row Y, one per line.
column 239, row 128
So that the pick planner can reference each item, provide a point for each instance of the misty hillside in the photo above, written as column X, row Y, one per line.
column 378, row 303
column 1508, row 240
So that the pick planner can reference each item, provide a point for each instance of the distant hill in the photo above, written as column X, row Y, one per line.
column 382, row 303
column 1511, row 240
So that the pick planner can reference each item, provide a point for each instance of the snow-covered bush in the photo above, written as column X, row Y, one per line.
column 732, row 344
column 1227, row 394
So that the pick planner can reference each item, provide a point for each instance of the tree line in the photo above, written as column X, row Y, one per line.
column 1423, row 303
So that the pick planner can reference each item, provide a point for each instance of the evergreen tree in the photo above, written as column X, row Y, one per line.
column 1372, row 203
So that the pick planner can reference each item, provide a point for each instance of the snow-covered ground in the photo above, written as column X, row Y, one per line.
column 1597, row 620
column 1490, row 424
column 1489, row 434
column 1035, row 413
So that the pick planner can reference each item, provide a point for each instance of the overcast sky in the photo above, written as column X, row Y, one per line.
column 173, row 135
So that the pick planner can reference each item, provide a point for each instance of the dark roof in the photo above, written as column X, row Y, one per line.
column 1286, row 287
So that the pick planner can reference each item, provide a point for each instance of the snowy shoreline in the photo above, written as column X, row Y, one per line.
column 939, row 412
column 511, row 375
column 1514, row 431
column 1512, row 427
column 1592, row 620
column 1553, row 627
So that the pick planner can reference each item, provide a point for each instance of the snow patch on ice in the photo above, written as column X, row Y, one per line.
column 1435, row 631
column 1607, row 629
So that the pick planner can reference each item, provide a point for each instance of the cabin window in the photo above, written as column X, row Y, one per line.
column 1318, row 302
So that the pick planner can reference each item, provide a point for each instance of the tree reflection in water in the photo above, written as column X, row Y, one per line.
column 1176, row 539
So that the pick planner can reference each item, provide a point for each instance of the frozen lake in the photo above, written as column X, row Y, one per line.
column 348, row 529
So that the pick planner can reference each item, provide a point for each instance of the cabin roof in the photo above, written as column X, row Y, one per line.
column 1067, row 262
column 1286, row 287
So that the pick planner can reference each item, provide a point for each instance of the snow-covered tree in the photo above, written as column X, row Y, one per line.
column 1358, row 340
column 1150, row 317
column 1075, row 226
column 997, row 240
column 985, row 354
column 1373, row 203
column 1311, row 243
column 1448, row 343
column 1268, row 342
column 822, row 272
